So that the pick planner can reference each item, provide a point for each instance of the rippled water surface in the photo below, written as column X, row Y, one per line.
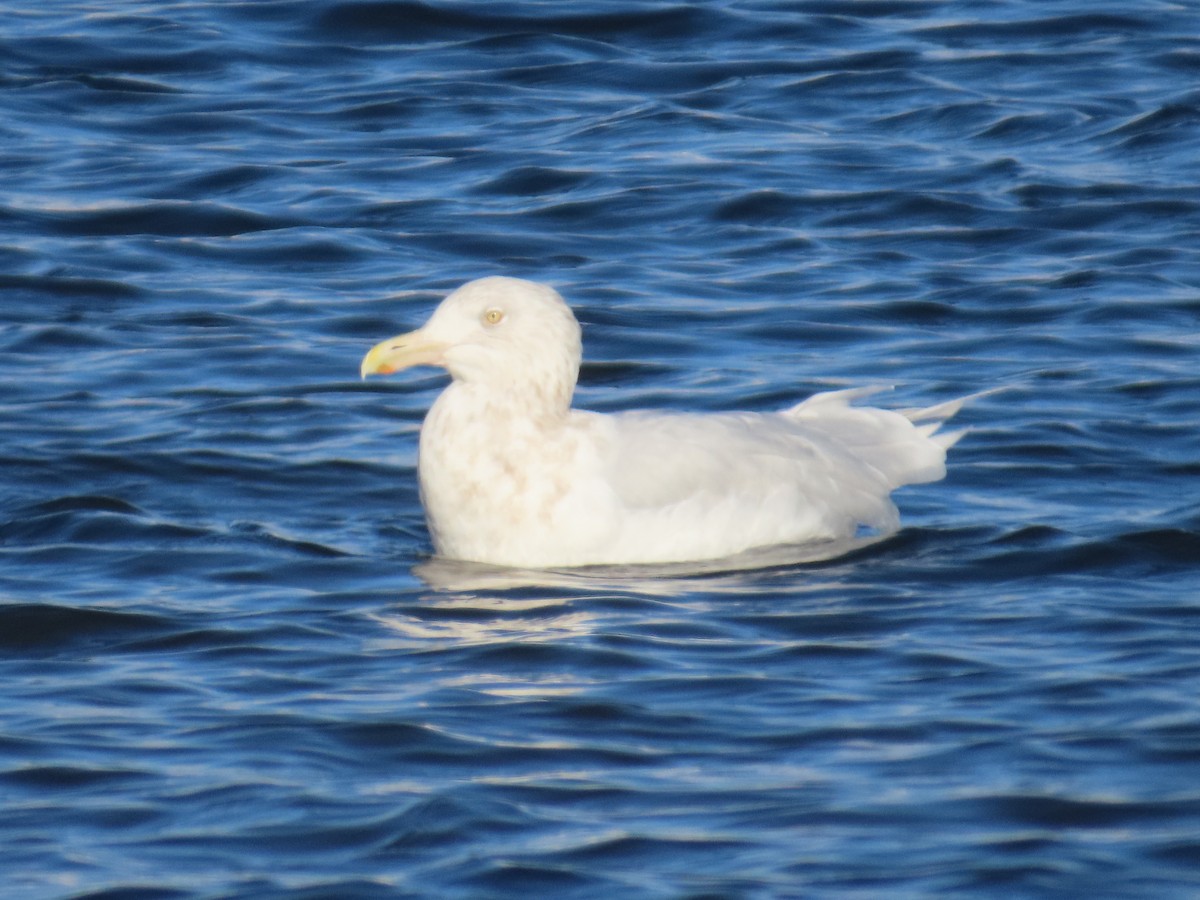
column 230, row 666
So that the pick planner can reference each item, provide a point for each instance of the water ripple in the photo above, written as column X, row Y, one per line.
column 231, row 666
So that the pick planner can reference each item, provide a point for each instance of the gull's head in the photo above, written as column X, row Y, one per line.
column 503, row 332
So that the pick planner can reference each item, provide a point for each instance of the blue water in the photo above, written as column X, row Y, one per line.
column 230, row 667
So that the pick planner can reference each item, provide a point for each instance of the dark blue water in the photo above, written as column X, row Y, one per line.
column 230, row 668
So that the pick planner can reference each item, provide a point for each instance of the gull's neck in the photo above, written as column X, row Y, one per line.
column 507, row 400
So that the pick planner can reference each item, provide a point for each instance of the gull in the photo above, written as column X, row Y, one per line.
column 511, row 475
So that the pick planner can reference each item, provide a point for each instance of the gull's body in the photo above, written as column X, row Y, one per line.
column 511, row 475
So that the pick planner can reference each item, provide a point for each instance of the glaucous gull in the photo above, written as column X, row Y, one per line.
column 511, row 475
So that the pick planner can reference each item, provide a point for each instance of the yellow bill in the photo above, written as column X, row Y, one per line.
column 401, row 352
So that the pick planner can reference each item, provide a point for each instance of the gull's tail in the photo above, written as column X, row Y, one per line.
column 930, row 419
column 904, row 446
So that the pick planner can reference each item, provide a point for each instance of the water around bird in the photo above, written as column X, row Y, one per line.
column 231, row 667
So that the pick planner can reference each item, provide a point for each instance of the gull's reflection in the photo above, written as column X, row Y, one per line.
column 730, row 574
column 523, row 621
column 475, row 604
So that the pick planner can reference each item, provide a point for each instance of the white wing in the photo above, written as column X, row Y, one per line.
column 820, row 469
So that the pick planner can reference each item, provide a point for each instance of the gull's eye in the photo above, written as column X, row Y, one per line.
column 493, row 316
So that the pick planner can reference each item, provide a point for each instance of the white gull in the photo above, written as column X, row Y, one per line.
column 511, row 475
